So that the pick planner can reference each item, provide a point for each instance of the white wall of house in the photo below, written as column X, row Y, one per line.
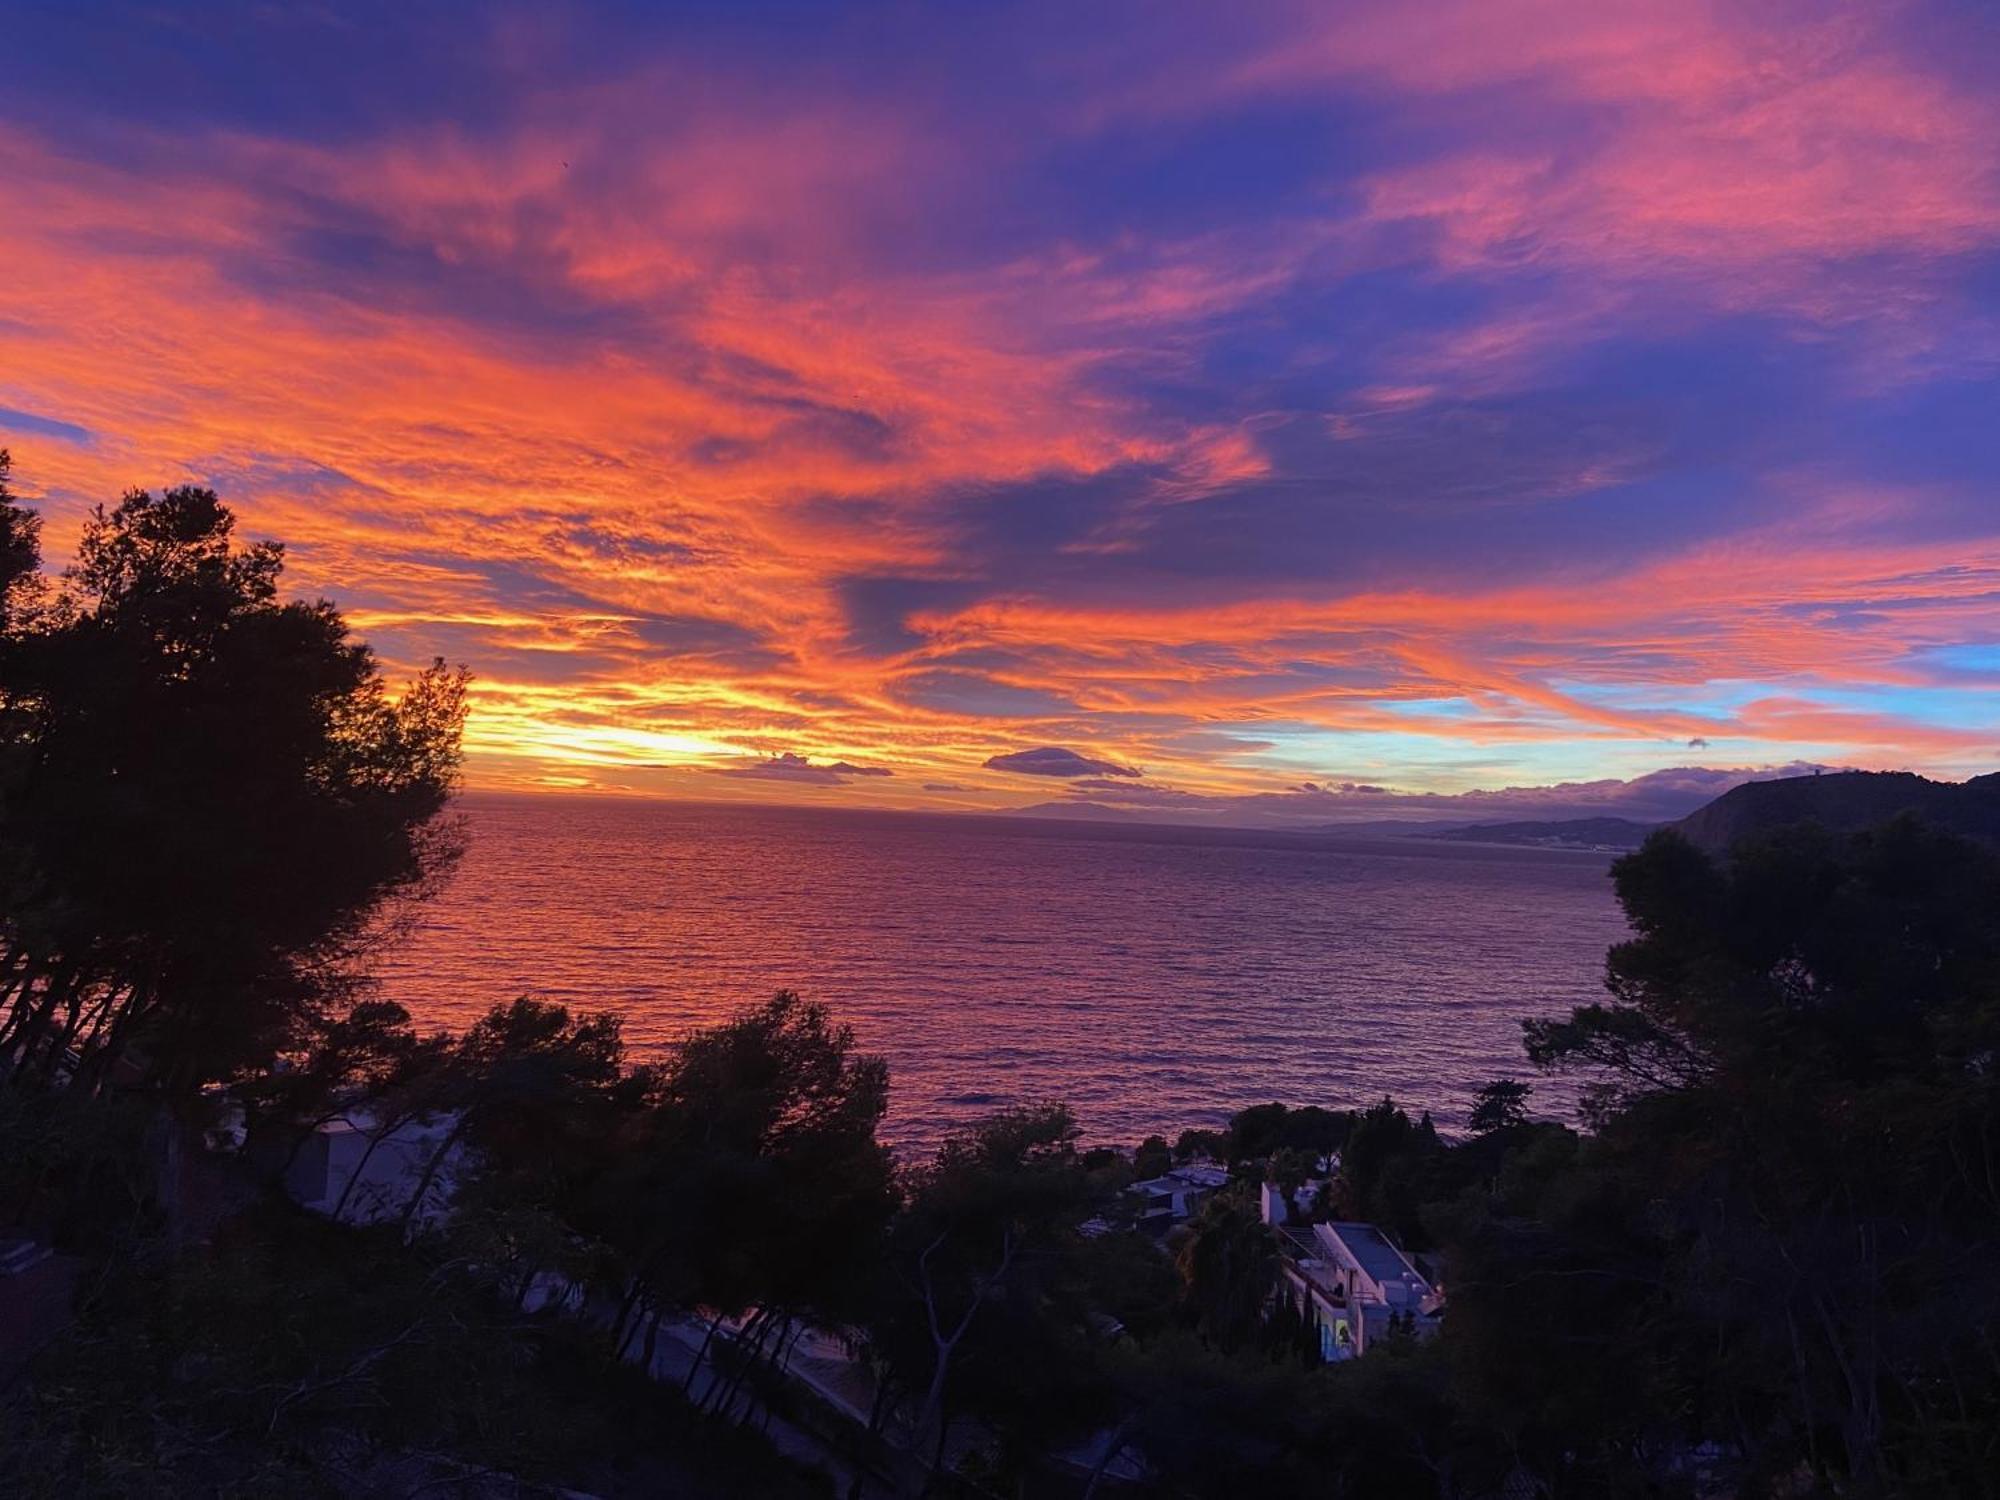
column 375, row 1168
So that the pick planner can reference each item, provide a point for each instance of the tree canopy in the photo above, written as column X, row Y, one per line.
column 1784, row 1232
column 208, row 793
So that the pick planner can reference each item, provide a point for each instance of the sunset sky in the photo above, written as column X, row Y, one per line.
column 1250, row 411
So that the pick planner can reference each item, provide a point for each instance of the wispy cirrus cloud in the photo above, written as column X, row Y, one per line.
column 1430, row 397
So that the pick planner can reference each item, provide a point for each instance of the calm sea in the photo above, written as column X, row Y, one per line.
column 1153, row 977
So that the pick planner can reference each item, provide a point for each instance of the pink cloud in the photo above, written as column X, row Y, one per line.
column 658, row 350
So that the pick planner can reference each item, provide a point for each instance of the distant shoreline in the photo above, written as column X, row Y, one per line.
column 1422, row 838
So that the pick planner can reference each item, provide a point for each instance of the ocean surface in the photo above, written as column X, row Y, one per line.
column 1153, row 977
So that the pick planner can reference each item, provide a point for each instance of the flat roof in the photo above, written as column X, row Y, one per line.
column 1373, row 1252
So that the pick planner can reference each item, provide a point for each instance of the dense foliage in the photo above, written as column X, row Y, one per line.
column 207, row 794
column 1791, row 1194
column 294, row 1358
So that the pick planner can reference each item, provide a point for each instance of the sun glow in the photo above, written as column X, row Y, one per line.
column 596, row 744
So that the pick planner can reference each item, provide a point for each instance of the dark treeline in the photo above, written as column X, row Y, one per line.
column 205, row 794
column 1765, row 1266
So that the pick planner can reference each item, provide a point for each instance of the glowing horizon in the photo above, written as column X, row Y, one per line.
column 1264, row 407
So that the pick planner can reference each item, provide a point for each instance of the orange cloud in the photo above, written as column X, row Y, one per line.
column 617, row 398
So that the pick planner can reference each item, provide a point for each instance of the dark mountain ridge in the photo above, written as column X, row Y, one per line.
column 1846, row 802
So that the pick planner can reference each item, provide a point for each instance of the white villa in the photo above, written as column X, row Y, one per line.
column 1353, row 1283
column 1176, row 1193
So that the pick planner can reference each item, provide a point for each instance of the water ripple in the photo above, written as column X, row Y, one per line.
column 1162, row 977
